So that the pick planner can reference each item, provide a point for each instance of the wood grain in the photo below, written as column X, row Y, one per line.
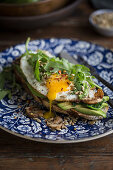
column 46, row 163
column 11, row 146
column 17, row 153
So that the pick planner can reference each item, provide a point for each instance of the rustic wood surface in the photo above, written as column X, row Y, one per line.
column 17, row 153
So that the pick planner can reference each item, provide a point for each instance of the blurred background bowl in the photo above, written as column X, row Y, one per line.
column 21, row 23
column 101, row 30
column 31, row 9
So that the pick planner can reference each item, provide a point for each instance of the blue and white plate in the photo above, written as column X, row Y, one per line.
column 12, row 118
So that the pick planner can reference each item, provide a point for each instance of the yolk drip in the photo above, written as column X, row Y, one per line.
column 49, row 114
column 55, row 84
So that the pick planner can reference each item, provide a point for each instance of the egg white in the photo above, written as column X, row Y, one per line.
column 29, row 74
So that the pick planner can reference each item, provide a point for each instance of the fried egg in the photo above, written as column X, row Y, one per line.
column 57, row 87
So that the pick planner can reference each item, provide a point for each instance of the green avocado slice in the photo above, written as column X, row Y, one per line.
column 66, row 105
column 80, row 108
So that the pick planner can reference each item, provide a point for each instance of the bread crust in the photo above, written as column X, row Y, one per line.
column 92, row 101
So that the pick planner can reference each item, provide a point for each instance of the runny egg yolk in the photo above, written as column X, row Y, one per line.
column 55, row 84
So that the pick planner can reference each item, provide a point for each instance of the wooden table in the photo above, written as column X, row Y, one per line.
column 17, row 153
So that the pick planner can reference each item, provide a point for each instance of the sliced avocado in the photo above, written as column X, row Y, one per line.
column 80, row 108
column 65, row 105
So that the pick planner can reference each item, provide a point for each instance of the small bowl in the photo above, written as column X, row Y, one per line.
column 102, row 30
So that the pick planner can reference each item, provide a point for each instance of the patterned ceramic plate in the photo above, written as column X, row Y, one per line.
column 12, row 118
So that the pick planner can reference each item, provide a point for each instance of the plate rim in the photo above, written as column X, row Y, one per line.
column 57, row 141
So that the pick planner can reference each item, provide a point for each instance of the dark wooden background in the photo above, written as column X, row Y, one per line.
column 17, row 153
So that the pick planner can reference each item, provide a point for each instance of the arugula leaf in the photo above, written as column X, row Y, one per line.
column 37, row 73
column 7, row 77
column 26, row 45
column 92, row 83
column 45, row 65
column 5, row 74
column 99, row 105
column 32, row 60
column 3, row 93
column 105, row 98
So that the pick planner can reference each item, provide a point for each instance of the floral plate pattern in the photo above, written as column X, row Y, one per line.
column 12, row 118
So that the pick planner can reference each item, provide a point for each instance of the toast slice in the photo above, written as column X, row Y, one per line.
column 45, row 102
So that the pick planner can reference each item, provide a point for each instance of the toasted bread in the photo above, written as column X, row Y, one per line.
column 45, row 101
